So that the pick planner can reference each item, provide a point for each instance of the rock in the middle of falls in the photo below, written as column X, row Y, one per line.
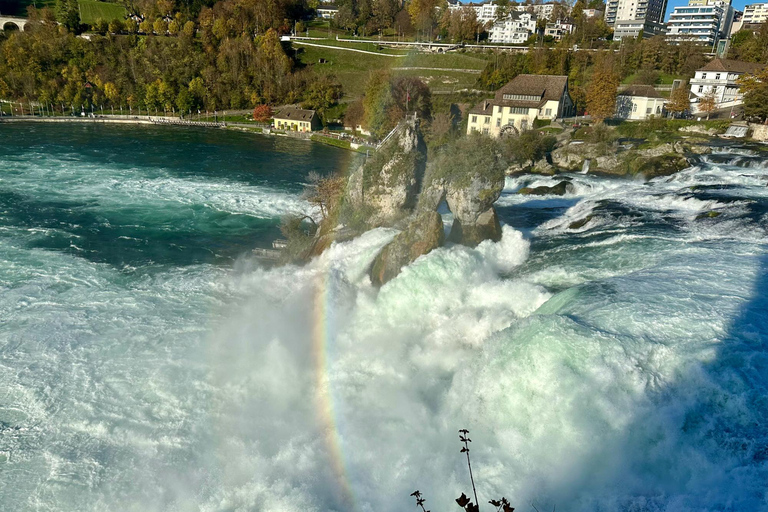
column 423, row 234
column 387, row 185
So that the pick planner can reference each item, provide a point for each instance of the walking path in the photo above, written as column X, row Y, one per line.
column 347, row 49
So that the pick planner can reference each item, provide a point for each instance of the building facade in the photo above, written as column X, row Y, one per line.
column 704, row 22
column 558, row 29
column 518, row 104
column 719, row 77
column 631, row 18
column 755, row 13
column 638, row 102
column 515, row 29
column 296, row 119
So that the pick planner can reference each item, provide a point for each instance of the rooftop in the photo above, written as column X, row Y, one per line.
column 730, row 65
column 295, row 114
column 643, row 91
column 546, row 87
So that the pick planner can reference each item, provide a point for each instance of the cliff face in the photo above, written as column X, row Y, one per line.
column 387, row 185
column 390, row 189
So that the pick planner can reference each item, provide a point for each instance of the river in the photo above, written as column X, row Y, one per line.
column 148, row 363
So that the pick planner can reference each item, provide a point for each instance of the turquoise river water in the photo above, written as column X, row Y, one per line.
column 149, row 363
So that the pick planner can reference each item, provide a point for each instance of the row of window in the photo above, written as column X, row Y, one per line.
column 522, row 97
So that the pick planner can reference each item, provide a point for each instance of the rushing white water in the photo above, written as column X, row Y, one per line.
column 618, row 365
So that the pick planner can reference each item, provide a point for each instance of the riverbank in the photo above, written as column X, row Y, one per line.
column 175, row 121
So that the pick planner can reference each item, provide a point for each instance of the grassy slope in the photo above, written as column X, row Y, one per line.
column 352, row 69
column 91, row 10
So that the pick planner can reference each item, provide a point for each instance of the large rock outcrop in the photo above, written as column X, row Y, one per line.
column 471, row 201
column 387, row 185
column 423, row 234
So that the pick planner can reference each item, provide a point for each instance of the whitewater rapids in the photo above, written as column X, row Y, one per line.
column 618, row 365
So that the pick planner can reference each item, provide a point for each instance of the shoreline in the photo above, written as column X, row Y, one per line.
column 175, row 121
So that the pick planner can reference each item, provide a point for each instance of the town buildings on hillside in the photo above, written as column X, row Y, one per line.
column 702, row 21
column 518, row 104
column 631, row 18
column 719, row 77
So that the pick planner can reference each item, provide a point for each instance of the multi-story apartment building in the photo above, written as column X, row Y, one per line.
column 701, row 21
column 635, row 17
column 514, row 29
column 755, row 13
column 558, row 29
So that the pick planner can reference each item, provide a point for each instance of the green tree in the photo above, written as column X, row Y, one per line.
column 160, row 27
column 378, row 96
column 68, row 14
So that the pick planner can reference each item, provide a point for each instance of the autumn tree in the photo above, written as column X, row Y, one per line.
column 262, row 113
column 708, row 103
column 602, row 91
column 678, row 101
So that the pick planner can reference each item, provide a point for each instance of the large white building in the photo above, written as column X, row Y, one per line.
column 515, row 29
column 519, row 103
column 701, row 21
column 631, row 18
column 719, row 77
column 755, row 13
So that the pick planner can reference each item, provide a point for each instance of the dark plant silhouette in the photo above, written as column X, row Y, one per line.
column 463, row 501
column 419, row 500
column 502, row 505
column 464, row 437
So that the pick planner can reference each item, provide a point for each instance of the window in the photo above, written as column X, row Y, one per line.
column 474, row 119
column 548, row 112
column 703, row 76
column 498, row 122
column 485, row 131
column 634, row 107
column 487, row 119
column 658, row 109
column 649, row 110
column 701, row 88
column 717, row 76
column 524, row 124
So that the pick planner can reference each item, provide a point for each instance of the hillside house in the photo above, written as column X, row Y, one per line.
column 519, row 103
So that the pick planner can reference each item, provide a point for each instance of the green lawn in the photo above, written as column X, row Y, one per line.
column 91, row 11
column 352, row 69
column 664, row 79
